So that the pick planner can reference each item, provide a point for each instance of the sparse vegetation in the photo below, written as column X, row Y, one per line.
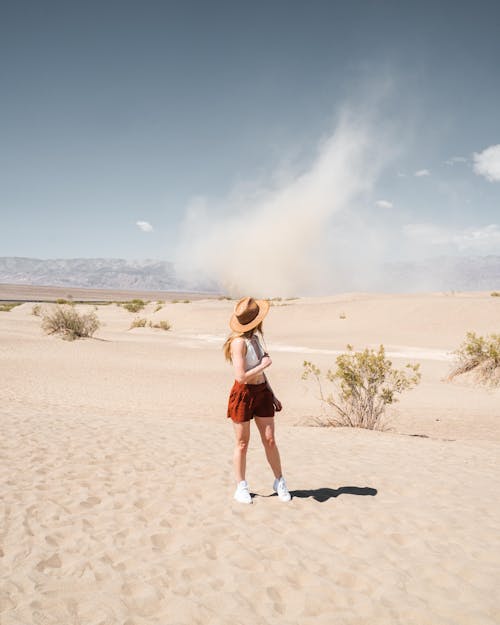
column 141, row 322
column 224, row 297
column 9, row 306
column 161, row 325
column 138, row 323
column 159, row 305
column 181, row 301
column 61, row 301
column 37, row 310
column 495, row 294
column 66, row 321
column 342, row 315
column 134, row 305
column 479, row 355
column 364, row 384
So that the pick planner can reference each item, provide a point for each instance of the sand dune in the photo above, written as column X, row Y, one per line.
column 117, row 481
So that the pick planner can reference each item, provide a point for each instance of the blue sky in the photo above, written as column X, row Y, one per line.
column 116, row 117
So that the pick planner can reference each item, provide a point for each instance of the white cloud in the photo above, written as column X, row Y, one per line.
column 454, row 160
column 483, row 239
column 145, row 226
column 487, row 163
column 422, row 172
column 383, row 204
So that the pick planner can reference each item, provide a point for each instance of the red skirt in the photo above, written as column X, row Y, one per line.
column 249, row 400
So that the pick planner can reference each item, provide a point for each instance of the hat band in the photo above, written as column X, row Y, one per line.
column 248, row 316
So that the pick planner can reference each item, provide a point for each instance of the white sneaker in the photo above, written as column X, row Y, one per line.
column 242, row 494
column 279, row 487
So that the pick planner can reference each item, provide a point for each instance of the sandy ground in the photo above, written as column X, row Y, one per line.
column 117, row 484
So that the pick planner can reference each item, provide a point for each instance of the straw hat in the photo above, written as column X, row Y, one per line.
column 248, row 313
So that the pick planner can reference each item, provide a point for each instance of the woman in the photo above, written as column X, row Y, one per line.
column 251, row 395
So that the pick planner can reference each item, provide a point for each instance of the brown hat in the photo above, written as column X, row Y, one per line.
column 248, row 313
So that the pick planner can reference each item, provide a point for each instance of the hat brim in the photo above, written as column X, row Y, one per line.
column 236, row 326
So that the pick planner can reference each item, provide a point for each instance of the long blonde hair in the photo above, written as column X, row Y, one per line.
column 226, row 348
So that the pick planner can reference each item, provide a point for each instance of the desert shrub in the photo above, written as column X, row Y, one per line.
column 138, row 323
column 224, row 297
column 37, row 310
column 61, row 301
column 495, row 294
column 364, row 384
column 9, row 306
column 159, row 306
column 66, row 321
column 160, row 325
column 135, row 305
column 479, row 355
column 342, row 315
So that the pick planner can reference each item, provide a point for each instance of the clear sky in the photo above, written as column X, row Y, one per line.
column 117, row 116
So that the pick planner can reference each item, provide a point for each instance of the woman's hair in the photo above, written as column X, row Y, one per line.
column 226, row 348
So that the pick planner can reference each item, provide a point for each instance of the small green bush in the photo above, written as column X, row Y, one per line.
column 479, row 355
column 66, row 321
column 61, row 301
column 135, row 305
column 9, row 306
column 364, row 384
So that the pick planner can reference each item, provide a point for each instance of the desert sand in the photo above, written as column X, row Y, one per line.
column 117, row 483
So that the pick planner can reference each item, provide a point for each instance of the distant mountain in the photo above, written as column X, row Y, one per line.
column 473, row 273
column 98, row 273
column 444, row 273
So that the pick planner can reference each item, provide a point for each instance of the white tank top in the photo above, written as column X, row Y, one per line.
column 255, row 352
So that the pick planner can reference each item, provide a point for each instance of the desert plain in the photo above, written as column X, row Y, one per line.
column 117, row 482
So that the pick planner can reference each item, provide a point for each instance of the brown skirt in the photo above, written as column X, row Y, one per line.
column 249, row 400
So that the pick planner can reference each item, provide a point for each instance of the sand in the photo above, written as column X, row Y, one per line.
column 117, row 483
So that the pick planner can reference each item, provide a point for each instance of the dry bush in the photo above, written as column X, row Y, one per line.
column 65, row 320
column 37, row 310
column 160, row 325
column 480, row 356
column 135, row 305
column 9, row 306
column 495, row 294
column 159, row 305
column 138, row 323
column 364, row 384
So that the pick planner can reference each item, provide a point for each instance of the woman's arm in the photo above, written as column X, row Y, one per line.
column 238, row 351
column 277, row 404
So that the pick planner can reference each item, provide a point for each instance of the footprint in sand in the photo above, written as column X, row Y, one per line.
column 275, row 596
column 141, row 598
column 90, row 502
column 54, row 562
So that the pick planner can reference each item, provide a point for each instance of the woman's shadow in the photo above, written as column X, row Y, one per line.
column 324, row 494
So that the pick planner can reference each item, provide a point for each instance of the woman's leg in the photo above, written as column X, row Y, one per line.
column 266, row 429
column 242, row 434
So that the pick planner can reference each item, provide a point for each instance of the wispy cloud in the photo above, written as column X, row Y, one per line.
column 383, row 204
column 422, row 172
column 480, row 239
column 487, row 163
column 454, row 160
column 145, row 226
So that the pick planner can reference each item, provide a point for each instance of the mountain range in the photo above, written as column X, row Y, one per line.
column 434, row 274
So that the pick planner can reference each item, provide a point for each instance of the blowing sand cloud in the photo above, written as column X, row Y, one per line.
column 275, row 243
